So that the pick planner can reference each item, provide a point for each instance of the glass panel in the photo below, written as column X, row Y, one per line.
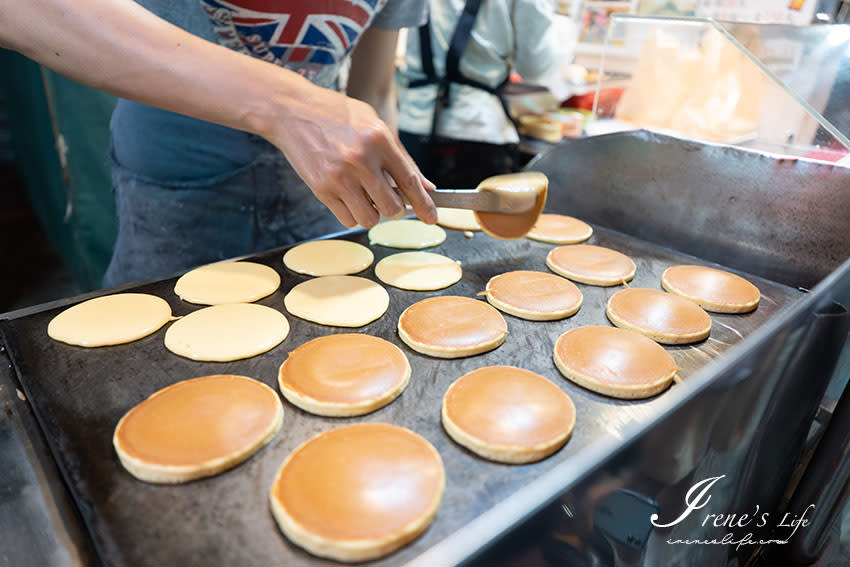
column 813, row 62
column 758, row 86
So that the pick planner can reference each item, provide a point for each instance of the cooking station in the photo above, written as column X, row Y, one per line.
column 759, row 403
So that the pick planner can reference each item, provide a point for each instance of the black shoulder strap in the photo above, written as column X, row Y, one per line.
column 426, row 55
column 460, row 39
column 457, row 45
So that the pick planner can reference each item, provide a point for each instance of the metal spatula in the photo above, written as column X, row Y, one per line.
column 510, row 193
column 488, row 201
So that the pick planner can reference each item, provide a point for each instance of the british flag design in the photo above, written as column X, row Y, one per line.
column 292, row 33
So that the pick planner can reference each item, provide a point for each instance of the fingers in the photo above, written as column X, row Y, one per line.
column 360, row 206
column 386, row 200
column 350, row 206
column 341, row 212
column 409, row 180
column 429, row 186
column 339, row 188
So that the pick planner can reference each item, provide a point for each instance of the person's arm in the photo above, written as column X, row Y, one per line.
column 372, row 72
column 540, row 51
column 337, row 144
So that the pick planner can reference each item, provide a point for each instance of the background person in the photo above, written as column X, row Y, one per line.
column 473, row 46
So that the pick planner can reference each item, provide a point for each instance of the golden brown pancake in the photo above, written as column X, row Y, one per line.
column 711, row 289
column 358, row 492
column 197, row 428
column 450, row 326
column 662, row 317
column 508, row 414
column 536, row 296
column 110, row 320
column 344, row 375
column 614, row 362
column 593, row 265
column 560, row 229
column 508, row 226
column 541, row 128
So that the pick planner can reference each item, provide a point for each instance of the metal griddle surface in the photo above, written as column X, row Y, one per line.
column 80, row 394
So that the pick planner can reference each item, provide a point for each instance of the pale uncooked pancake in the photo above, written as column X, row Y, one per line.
column 227, row 282
column 418, row 271
column 338, row 301
column 560, row 229
column 663, row 317
column 614, row 362
column 328, row 258
column 406, row 233
column 197, row 428
column 344, row 375
column 110, row 320
column 711, row 289
column 358, row 492
column 508, row 414
column 593, row 265
column 536, row 296
column 458, row 219
column 508, row 226
column 450, row 326
column 231, row 331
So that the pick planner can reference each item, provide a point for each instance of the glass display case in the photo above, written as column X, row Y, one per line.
column 777, row 88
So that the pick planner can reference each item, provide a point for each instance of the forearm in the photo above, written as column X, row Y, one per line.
column 372, row 71
column 385, row 105
column 119, row 47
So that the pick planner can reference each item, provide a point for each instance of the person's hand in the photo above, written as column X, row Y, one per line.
column 341, row 149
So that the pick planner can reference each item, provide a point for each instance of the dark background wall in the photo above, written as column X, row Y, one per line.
column 58, row 213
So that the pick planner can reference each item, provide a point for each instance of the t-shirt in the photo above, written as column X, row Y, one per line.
column 525, row 35
column 310, row 37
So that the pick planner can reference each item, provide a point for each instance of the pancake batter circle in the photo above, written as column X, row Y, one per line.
column 536, row 296
column 592, row 265
column 560, row 229
column 406, row 233
column 614, row 362
column 338, row 301
column 227, row 282
column 451, row 326
column 712, row 289
column 458, row 219
column 328, row 258
column 663, row 317
column 110, row 320
column 418, row 271
column 358, row 492
column 197, row 428
column 344, row 375
column 508, row 414
column 231, row 331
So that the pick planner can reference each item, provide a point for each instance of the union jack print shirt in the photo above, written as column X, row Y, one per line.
column 311, row 37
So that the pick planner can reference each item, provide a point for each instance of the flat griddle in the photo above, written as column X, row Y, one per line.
column 80, row 394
